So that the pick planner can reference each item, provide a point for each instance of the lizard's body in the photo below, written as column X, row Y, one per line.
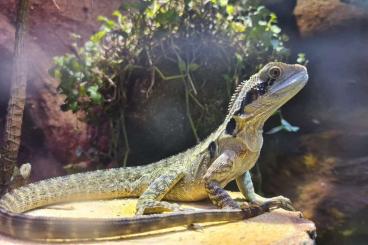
column 198, row 173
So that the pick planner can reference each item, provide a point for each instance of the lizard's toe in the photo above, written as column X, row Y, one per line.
column 283, row 202
column 244, row 205
column 139, row 211
column 173, row 207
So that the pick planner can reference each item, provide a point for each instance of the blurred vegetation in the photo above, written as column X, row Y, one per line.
column 164, row 40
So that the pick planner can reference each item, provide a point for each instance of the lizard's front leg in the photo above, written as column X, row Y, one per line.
column 150, row 200
column 218, row 171
column 245, row 185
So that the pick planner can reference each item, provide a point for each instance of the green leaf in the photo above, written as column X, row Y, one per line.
column 273, row 18
column 230, row 10
column 94, row 94
column 82, row 89
column 74, row 64
column 275, row 130
column 117, row 14
column 98, row 36
column 301, row 59
column 152, row 10
column 284, row 125
column 167, row 18
column 138, row 5
column 57, row 74
column 238, row 27
column 223, row 2
column 275, row 29
column 74, row 107
column 101, row 18
column 193, row 66
column 182, row 66
column 288, row 127
column 239, row 57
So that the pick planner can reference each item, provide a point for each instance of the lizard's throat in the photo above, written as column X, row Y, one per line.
column 256, row 116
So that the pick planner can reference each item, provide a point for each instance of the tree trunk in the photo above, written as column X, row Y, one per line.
column 13, row 127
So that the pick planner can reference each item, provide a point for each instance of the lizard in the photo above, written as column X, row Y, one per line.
column 198, row 173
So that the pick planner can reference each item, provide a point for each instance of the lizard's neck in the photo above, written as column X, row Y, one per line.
column 250, row 129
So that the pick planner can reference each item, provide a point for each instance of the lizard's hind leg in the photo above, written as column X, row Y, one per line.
column 150, row 200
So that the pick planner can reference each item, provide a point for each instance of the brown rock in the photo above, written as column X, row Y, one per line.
column 315, row 16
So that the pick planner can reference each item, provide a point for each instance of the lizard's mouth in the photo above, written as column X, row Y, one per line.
column 293, row 84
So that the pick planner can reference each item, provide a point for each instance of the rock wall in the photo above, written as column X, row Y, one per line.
column 50, row 137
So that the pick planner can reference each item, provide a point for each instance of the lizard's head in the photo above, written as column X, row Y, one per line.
column 268, row 90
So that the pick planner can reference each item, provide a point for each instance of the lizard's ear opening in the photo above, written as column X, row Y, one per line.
column 231, row 127
column 212, row 148
column 235, row 124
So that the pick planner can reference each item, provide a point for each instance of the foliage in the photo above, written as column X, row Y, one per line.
column 146, row 37
column 302, row 59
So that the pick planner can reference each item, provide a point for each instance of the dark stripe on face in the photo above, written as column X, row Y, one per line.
column 212, row 148
column 230, row 127
column 252, row 95
column 261, row 88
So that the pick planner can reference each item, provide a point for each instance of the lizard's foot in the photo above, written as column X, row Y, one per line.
column 151, row 207
column 279, row 201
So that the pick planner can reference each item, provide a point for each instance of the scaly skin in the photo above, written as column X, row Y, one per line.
column 198, row 173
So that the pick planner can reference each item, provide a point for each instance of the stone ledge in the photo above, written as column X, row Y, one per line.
column 277, row 227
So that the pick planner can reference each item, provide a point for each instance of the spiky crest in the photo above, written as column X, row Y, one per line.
column 235, row 95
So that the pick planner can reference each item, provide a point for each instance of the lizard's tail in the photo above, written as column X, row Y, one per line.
column 101, row 184
column 43, row 228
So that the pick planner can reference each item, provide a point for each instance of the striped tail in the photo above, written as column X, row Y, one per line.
column 49, row 228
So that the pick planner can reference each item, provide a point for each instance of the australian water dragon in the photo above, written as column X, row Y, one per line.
column 198, row 173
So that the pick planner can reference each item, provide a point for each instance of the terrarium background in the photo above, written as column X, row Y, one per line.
column 323, row 167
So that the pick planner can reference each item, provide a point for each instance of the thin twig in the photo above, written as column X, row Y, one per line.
column 56, row 5
column 196, row 101
column 166, row 78
column 194, row 130
column 126, row 141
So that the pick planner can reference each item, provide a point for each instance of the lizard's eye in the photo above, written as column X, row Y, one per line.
column 274, row 72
